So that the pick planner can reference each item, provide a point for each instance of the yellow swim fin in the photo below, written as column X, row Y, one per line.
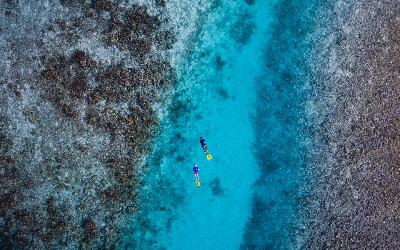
column 197, row 183
column 209, row 157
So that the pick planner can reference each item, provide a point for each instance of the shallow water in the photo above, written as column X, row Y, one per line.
column 228, row 94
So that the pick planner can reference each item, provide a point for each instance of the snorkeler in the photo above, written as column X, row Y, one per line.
column 205, row 149
column 196, row 171
column 196, row 175
column 203, row 143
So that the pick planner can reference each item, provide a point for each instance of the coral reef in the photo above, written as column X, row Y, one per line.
column 355, row 197
column 78, row 98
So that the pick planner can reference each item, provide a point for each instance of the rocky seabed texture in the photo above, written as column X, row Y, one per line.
column 355, row 110
column 83, row 85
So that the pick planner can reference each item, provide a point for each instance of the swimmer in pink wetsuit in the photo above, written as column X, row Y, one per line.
column 196, row 171
column 196, row 175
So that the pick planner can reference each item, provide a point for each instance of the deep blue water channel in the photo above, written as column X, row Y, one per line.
column 239, row 88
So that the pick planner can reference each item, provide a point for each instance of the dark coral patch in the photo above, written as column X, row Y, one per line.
column 180, row 158
column 141, row 22
column 90, row 229
column 216, row 187
column 82, row 59
column 11, row 8
column 103, row 5
column 177, row 138
column 115, row 83
column 243, row 29
column 68, row 3
column 160, row 3
column 165, row 39
column 71, row 74
column 219, row 63
column 134, row 32
column 250, row 2
column 223, row 93
column 57, row 219
column 66, row 80
column 180, row 109
column 255, row 237
column 5, row 143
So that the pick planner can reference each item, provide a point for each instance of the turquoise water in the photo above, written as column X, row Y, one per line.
column 235, row 89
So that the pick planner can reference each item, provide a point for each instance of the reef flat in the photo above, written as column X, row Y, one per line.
column 81, row 86
column 355, row 109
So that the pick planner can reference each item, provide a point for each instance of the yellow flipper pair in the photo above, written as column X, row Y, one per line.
column 197, row 183
column 209, row 156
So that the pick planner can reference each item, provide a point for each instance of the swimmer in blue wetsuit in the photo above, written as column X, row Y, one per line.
column 202, row 141
column 205, row 149
column 203, row 144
